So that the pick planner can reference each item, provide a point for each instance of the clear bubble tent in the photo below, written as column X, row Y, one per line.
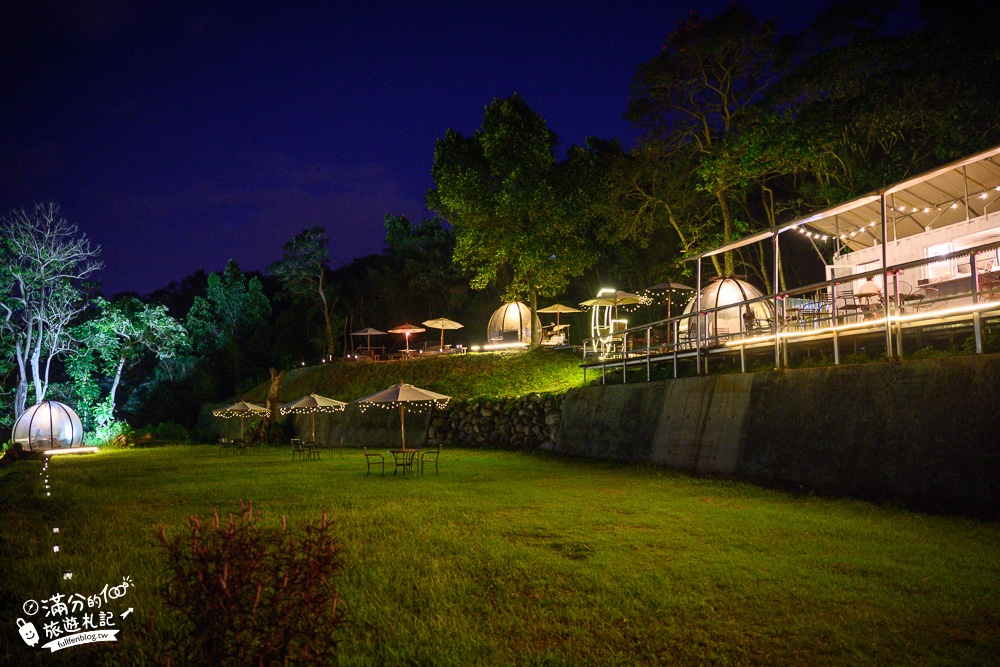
column 48, row 425
column 511, row 322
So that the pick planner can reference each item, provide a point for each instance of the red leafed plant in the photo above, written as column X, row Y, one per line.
column 250, row 595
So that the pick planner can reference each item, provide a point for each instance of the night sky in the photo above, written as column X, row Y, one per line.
column 179, row 135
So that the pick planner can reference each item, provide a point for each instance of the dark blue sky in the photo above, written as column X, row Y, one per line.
column 179, row 135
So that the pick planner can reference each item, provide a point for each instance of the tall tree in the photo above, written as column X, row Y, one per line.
column 117, row 339
column 44, row 261
column 516, row 221
column 233, row 306
column 302, row 271
column 690, row 97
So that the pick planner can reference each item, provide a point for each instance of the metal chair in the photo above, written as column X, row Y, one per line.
column 373, row 460
column 225, row 445
column 299, row 449
column 430, row 456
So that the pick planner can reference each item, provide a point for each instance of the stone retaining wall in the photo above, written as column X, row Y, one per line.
column 527, row 422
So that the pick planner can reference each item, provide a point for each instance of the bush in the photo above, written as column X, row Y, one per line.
column 204, row 436
column 171, row 431
column 115, row 434
column 247, row 595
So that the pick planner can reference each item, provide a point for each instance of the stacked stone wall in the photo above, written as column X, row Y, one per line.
column 526, row 422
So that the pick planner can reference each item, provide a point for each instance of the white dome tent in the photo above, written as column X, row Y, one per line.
column 511, row 323
column 49, row 425
column 729, row 321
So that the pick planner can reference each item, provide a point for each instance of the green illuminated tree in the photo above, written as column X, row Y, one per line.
column 44, row 261
column 117, row 339
column 520, row 219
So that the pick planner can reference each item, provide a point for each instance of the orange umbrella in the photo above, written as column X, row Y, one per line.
column 407, row 329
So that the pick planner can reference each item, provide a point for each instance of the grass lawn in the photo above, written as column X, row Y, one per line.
column 509, row 558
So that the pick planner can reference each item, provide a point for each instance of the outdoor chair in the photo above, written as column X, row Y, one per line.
column 225, row 445
column 848, row 306
column 374, row 460
column 430, row 456
column 299, row 449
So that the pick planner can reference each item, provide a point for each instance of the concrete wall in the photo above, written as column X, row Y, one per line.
column 925, row 434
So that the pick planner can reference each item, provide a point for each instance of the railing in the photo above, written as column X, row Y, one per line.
column 826, row 309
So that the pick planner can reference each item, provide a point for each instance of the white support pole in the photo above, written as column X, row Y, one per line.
column 885, row 284
column 977, row 324
column 697, row 320
column 777, row 342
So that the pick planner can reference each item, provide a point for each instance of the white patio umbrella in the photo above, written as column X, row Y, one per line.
column 403, row 395
column 407, row 329
column 241, row 410
column 615, row 299
column 368, row 332
column 558, row 308
column 442, row 323
column 312, row 404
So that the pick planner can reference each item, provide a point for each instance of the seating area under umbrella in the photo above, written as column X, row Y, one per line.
column 442, row 323
column 310, row 405
column 407, row 329
column 241, row 410
column 403, row 396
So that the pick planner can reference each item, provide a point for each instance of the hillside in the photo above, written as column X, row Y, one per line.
column 490, row 375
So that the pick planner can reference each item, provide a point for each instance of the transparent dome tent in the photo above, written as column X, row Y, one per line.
column 511, row 323
column 48, row 425
column 729, row 321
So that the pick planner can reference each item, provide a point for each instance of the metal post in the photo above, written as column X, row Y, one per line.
column 649, row 333
column 885, row 283
column 697, row 321
column 774, row 327
column 624, row 356
column 836, row 323
column 977, row 324
column 743, row 358
column 784, row 346
column 676, row 327
column 899, row 324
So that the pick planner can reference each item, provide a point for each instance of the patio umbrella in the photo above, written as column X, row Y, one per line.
column 668, row 287
column 407, row 329
column 403, row 395
column 615, row 299
column 558, row 308
column 368, row 332
column 442, row 323
column 241, row 410
column 312, row 404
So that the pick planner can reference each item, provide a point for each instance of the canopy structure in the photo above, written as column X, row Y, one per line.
column 558, row 309
column 404, row 396
column 406, row 330
column 312, row 404
column 368, row 332
column 723, row 292
column 442, row 323
column 511, row 323
column 48, row 425
column 605, row 309
column 241, row 410
column 670, row 287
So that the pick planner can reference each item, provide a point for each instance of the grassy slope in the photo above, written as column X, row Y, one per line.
column 491, row 375
column 511, row 558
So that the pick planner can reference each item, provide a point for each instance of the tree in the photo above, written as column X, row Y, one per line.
column 117, row 339
column 690, row 97
column 518, row 222
column 44, row 261
column 302, row 271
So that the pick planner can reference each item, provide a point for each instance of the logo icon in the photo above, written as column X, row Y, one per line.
column 28, row 632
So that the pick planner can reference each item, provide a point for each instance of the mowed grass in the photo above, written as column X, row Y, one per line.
column 526, row 559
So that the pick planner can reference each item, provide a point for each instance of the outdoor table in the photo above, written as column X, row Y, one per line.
column 403, row 459
column 312, row 449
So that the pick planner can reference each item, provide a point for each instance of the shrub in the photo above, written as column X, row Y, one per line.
column 248, row 595
column 171, row 431
column 114, row 434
